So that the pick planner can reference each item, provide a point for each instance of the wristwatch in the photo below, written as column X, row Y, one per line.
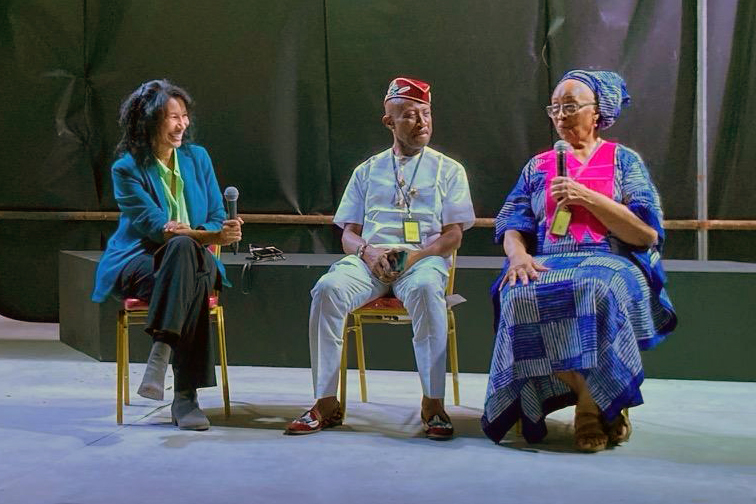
column 361, row 250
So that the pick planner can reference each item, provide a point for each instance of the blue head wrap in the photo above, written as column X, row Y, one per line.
column 610, row 90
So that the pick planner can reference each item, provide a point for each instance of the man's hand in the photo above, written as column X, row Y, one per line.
column 412, row 257
column 376, row 259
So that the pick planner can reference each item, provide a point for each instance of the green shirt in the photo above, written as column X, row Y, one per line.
column 177, row 203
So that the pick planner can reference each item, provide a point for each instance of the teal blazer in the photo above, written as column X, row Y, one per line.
column 144, row 211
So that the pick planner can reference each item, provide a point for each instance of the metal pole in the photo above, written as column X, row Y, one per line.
column 702, row 158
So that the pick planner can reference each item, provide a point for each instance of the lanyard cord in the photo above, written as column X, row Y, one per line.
column 407, row 195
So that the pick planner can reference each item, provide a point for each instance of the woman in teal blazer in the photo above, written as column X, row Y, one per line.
column 171, row 207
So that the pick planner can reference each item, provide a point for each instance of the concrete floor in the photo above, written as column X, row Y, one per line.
column 693, row 441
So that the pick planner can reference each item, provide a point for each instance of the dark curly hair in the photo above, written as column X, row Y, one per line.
column 141, row 114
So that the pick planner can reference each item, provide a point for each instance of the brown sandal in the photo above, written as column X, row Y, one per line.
column 620, row 428
column 588, row 427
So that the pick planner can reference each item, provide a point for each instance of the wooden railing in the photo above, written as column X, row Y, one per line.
column 726, row 225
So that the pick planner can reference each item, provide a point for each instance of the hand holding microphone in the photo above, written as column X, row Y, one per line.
column 562, row 216
column 558, row 184
column 566, row 190
column 231, row 232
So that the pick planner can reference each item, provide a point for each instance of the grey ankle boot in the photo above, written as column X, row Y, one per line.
column 186, row 413
column 153, row 381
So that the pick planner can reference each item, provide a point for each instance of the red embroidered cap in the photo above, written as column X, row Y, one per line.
column 411, row 89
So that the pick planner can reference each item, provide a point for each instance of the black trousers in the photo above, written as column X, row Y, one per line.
column 177, row 281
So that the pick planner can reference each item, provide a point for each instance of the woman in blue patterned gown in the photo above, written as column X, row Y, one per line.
column 574, row 306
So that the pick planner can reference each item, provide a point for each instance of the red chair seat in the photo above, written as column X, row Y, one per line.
column 384, row 303
column 134, row 304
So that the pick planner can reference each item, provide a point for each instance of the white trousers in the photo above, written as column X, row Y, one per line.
column 349, row 284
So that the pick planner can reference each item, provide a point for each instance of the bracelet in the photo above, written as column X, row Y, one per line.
column 361, row 250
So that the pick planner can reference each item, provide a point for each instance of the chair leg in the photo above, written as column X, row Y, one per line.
column 343, row 371
column 360, row 356
column 220, row 320
column 125, row 361
column 453, row 358
column 119, row 368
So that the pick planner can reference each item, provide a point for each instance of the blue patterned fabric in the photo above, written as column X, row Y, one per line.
column 610, row 90
column 593, row 311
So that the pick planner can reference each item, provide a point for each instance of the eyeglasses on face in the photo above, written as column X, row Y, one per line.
column 568, row 108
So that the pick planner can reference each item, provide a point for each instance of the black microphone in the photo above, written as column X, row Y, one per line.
column 561, row 148
column 231, row 194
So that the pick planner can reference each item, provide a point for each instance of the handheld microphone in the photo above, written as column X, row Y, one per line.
column 561, row 220
column 231, row 194
column 561, row 148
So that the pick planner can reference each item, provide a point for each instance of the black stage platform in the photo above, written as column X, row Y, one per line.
column 268, row 327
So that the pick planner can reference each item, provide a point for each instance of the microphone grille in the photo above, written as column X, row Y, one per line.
column 231, row 193
column 562, row 146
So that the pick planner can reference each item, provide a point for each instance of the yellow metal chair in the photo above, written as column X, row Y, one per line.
column 134, row 311
column 389, row 310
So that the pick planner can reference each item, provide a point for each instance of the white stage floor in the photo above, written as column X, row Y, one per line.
column 693, row 441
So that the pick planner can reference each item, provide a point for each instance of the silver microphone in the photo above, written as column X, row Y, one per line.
column 561, row 147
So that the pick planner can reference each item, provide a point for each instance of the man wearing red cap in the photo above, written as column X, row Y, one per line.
column 409, row 198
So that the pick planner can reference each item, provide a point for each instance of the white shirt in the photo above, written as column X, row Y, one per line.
column 441, row 197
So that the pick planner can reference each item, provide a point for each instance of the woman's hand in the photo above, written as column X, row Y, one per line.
column 230, row 232
column 522, row 267
column 173, row 228
column 617, row 218
column 567, row 191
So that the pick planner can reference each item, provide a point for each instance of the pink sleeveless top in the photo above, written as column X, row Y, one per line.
column 596, row 174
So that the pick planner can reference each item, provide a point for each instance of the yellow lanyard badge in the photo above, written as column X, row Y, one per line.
column 561, row 222
column 410, row 226
column 411, row 231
